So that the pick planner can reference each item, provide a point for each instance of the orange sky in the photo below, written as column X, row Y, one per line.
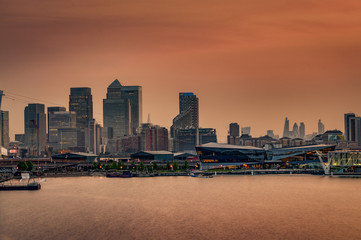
column 252, row 62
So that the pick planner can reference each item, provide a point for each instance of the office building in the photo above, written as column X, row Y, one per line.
column 51, row 110
column 117, row 113
column 233, row 133
column 187, row 139
column 302, row 130
column 354, row 133
column 286, row 128
column 4, row 129
column 35, row 128
column 62, row 131
column 134, row 95
column 81, row 102
column 321, row 127
column 246, row 130
column 347, row 116
column 295, row 131
column 188, row 116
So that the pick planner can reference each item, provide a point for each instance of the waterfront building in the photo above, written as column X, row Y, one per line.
column 4, row 129
column 233, row 133
column 302, row 130
column 35, row 128
column 81, row 102
column 321, row 127
column 286, row 128
column 347, row 117
column 217, row 155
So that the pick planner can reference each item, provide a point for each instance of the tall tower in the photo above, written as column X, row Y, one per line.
column 81, row 102
column 134, row 95
column 286, row 128
column 347, row 125
column 321, row 127
column 302, row 130
column 117, row 112
column 4, row 129
column 35, row 127
column 52, row 132
column 295, row 131
column 1, row 95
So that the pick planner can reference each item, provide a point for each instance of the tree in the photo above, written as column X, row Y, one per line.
column 175, row 165
column 155, row 166
column 29, row 165
column 168, row 166
column 141, row 166
column 22, row 166
column 114, row 165
column 186, row 165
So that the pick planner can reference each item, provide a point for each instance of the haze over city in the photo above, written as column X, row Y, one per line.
column 248, row 62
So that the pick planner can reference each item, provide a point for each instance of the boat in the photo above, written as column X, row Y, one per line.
column 205, row 175
column 123, row 174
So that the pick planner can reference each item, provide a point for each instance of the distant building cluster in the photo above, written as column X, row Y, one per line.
column 58, row 130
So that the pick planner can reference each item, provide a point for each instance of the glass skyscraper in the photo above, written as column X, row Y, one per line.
column 81, row 102
column 35, row 127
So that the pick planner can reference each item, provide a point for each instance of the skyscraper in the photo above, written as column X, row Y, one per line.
column 246, row 130
column 354, row 129
column 321, row 127
column 35, row 127
column 81, row 102
column 4, row 129
column 134, row 95
column 233, row 133
column 286, row 128
column 347, row 116
column 62, row 133
column 53, row 132
column 188, row 112
column 117, row 114
column 302, row 130
column 1, row 95
column 295, row 131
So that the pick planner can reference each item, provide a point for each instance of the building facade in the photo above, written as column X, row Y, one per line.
column 35, row 128
column 62, row 131
column 4, row 129
column 81, row 102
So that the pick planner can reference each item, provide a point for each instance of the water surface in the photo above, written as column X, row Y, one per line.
column 224, row 207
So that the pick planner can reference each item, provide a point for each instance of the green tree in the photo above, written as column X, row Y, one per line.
column 168, row 166
column 141, row 166
column 22, row 166
column 132, row 167
column 114, row 165
column 175, row 165
column 155, row 166
column 29, row 165
column 186, row 165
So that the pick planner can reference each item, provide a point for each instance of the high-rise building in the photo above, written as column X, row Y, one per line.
column 321, row 127
column 286, row 128
column 62, row 132
column 35, row 128
column 188, row 116
column 117, row 112
column 95, row 137
column 295, row 131
column 134, row 95
column 302, row 130
column 347, row 116
column 354, row 133
column 81, row 102
column 233, row 133
column 153, row 137
column 271, row 134
column 53, row 132
column 4, row 129
column 186, row 139
column 246, row 130
column 1, row 95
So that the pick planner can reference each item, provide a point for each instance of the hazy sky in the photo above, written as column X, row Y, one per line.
column 252, row 62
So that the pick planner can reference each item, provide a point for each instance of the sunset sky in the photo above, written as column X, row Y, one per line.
column 252, row 62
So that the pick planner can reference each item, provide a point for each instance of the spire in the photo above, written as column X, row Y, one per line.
column 148, row 121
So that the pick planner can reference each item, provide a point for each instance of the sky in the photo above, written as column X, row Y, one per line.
column 251, row 62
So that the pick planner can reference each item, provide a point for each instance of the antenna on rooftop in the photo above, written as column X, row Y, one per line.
column 148, row 121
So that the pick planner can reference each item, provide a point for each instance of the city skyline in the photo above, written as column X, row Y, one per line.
column 253, row 63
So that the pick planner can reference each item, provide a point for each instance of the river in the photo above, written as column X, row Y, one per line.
column 224, row 207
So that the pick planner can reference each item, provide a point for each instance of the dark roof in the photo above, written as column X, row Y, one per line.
column 115, row 84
